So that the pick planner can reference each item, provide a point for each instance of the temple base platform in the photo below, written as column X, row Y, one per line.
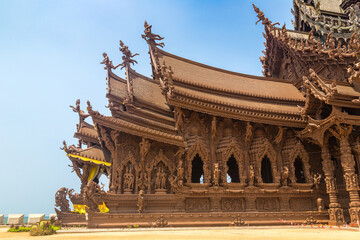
column 108, row 220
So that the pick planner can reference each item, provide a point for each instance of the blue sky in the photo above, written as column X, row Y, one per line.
column 50, row 54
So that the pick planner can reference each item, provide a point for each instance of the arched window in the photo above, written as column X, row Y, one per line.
column 233, row 170
column 299, row 171
column 266, row 174
column 197, row 172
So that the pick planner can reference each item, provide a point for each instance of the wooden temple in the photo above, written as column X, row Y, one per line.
column 197, row 145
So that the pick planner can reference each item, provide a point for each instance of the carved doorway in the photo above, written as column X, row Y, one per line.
column 233, row 170
column 197, row 170
column 299, row 171
column 266, row 173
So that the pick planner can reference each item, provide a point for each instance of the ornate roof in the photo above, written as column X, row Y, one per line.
column 219, row 92
column 142, row 130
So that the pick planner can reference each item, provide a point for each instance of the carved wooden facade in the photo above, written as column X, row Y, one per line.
column 197, row 142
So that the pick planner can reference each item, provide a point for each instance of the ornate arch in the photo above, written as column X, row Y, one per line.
column 198, row 148
column 160, row 158
column 267, row 150
column 299, row 151
column 120, row 170
column 233, row 148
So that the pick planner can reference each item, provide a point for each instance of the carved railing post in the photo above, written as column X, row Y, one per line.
column 342, row 133
column 335, row 211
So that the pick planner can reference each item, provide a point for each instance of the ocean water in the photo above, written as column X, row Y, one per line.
column 25, row 219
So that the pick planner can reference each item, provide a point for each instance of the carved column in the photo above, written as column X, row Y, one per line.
column 347, row 162
column 335, row 211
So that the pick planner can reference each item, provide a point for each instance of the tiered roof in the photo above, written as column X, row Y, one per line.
column 292, row 94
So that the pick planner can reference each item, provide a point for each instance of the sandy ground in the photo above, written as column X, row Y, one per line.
column 199, row 234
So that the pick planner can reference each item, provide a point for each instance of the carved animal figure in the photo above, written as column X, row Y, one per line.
column 61, row 201
column 90, row 196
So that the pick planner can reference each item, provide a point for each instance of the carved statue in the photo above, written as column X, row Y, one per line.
column 150, row 37
column 251, row 175
column 141, row 201
column 108, row 64
column 285, row 176
column 127, row 56
column 261, row 16
column 317, row 179
column 128, row 179
column 163, row 178
column 61, row 201
column 213, row 128
column 216, row 176
column 82, row 173
column 178, row 116
column 279, row 135
column 90, row 196
column 82, row 114
column 158, row 180
column 320, row 204
column 173, row 180
column 180, row 173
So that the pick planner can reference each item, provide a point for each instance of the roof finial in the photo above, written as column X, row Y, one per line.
column 265, row 21
column 108, row 64
column 82, row 114
column 151, row 37
column 127, row 56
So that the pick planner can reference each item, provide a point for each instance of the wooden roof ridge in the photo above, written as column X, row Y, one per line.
column 151, row 122
column 137, row 130
column 223, row 70
column 234, row 105
column 237, row 92
column 240, row 114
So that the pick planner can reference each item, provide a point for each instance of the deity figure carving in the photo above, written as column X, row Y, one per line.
column 285, row 176
column 251, row 175
column 141, row 201
column 216, row 176
column 151, row 37
column 180, row 174
column 160, row 179
column 317, row 179
column 128, row 179
column 127, row 56
column 61, row 201
column 91, row 195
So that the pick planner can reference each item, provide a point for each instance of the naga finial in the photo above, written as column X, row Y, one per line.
column 127, row 56
column 150, row 37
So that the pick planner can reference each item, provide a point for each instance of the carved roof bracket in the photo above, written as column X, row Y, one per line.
column 316, row 129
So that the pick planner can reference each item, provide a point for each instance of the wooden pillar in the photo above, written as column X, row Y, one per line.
column 335, row 211
column 342, row 133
